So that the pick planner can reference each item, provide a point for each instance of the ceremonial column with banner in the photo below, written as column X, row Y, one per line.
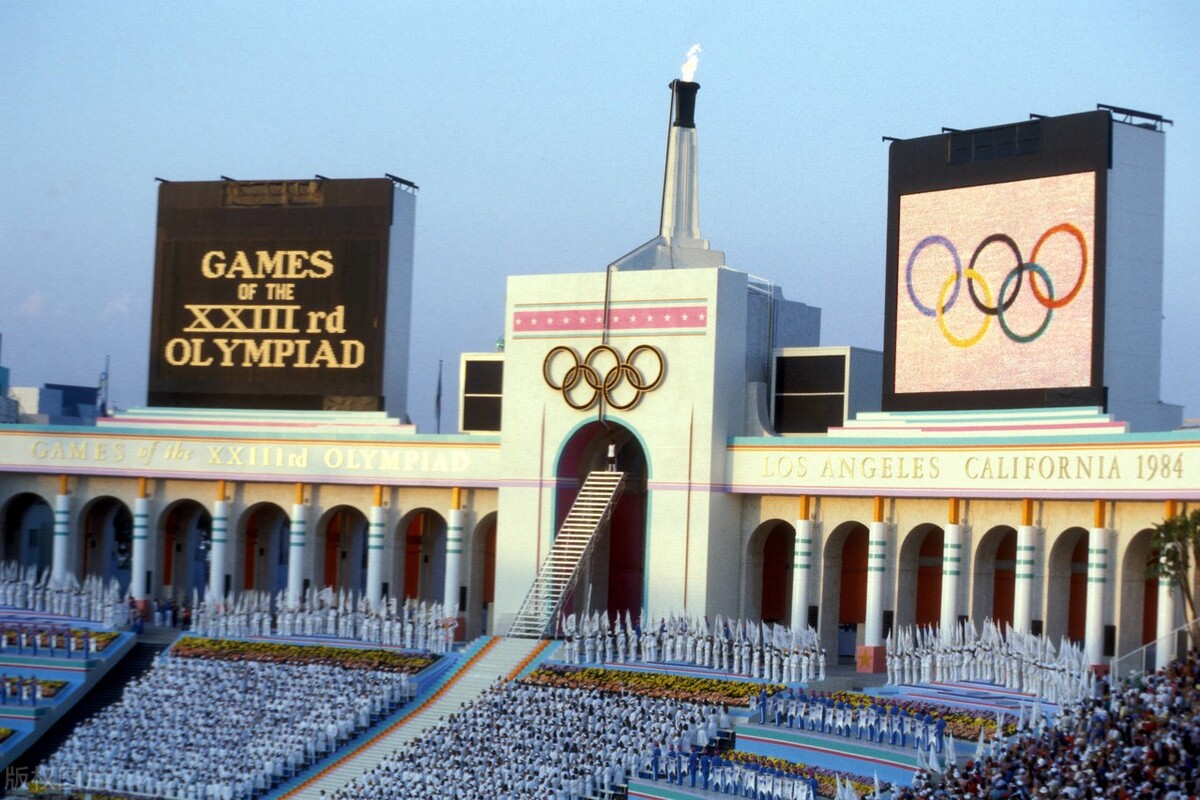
column 454, row 548
column 141, row 516
column 1097, row 577
column 802, row 563
column 1027, row 595
column 952, row 561
column 220, row 528
column 375, row 550
column 1169, row 601
column 871, row 656
column 297, row 538
column 62, row 532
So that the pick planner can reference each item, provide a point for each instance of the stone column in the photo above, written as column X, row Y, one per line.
column 1167, row 622
column 877, row 553
column 220, row 528
column 871, row 656
column 1026, row 598
column 454, row 548
column 802, row 564
column 375, row 550
column 62, row 533
column 141, row 516
column 297, row 545
column 952, row 551
column 1097, row 585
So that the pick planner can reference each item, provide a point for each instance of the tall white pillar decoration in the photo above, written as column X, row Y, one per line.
column 1097, row 584
column 802, row 564
column 1167, row 622
column 454, row 548
column 952, row 551
column 375, row 550
column 1168, row 611
column 297, row 542
column 1026, row 598
column 62, row 533
column 877, row 554
column 220, row 531
column 141, row 517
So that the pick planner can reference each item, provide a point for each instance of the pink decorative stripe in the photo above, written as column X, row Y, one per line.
column 631, row 318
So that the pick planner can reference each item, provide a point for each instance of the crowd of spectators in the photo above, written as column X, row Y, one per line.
column 1139, row 738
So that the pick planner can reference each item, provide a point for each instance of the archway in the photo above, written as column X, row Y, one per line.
column 1138, row 594
column 919, row 580
column 186, row 536
column 768, row 560
column 995, row 576
column 843, row 589
column 481, row 585
column 340, row 560
column 265, row 538
column 616, row 571
column 420, row 555
column 29, row 532
column 1066, row 586
column 108, row 540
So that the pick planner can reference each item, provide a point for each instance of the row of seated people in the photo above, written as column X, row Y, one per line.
column 213, row 729
column 573, row 743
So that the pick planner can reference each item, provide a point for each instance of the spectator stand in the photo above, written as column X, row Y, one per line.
column 28, row 657
column 429, row 682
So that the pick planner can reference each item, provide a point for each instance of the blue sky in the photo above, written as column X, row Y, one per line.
column 536, row 133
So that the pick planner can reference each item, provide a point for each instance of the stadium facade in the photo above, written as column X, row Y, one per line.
column 1005, row 456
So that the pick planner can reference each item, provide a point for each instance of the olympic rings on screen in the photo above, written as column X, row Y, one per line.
column 1007, row 304
column 1083, row 260
column 950, row 287
column 941, row 317
column 921, row 245
column 1040, row 270
column 602, row 371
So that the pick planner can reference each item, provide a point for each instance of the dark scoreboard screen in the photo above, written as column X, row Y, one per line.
column 271, row 294
column 996, row 266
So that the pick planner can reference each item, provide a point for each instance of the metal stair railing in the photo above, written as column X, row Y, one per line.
column 1144, row 659
column 559, row 571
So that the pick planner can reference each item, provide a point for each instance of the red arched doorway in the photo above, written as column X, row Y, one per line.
column 342, row 540
column 186, row 536
column 776, row 563
column 265, row 541
column 995, row 575
column 1138, row 590
column 1066, row 590
column 919, row 589
column 108, row 540
column 423, row 545
column 481, row 587
column 29, row 532
column 1077, row 616
column 1004, row 580
column 843, row 589
column 616, row 573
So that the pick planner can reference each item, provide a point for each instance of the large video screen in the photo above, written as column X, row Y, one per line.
column 271, row 295
column 995, row 287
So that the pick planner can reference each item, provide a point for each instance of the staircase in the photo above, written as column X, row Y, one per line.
column 501, row 658
column 588, row 516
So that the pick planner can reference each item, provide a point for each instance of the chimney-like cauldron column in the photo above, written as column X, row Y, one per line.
column 680, row 220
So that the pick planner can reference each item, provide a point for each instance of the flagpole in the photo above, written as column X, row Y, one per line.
column 437, row 400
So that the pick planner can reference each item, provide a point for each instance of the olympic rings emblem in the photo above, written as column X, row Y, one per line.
column 602, row 371
column 996, row 307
